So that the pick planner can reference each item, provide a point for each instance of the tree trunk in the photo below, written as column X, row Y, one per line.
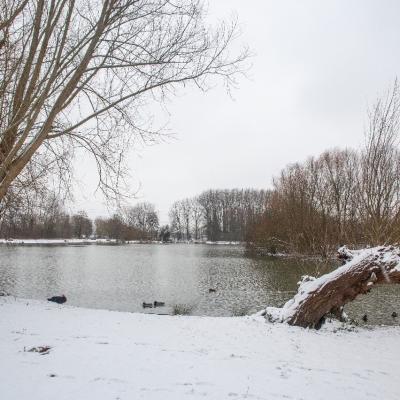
column 328, row 294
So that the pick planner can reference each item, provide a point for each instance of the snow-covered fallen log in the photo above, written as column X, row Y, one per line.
column 328, row 294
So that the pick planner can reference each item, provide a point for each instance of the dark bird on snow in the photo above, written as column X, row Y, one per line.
column 58, row 299
column 394, row 314
column 365, row 318
column 159, row 304
column 212, row 290
column 147, row 305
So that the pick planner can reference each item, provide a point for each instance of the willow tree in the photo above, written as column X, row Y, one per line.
column 75, row 73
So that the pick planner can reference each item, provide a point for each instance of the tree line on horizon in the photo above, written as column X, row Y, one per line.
column 45, row 216
column 42, row 215
column 213, row 215
column 218, row 215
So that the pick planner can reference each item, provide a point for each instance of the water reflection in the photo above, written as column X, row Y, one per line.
column 122, row 277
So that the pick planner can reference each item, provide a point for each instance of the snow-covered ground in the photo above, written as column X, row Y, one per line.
column 32, row 242
column 224, row 242
column 16, row 242
column 97, row 354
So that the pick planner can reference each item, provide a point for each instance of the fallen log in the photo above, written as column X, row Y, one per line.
column 318, row 297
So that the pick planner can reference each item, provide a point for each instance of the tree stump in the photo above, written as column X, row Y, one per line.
column 328, row 294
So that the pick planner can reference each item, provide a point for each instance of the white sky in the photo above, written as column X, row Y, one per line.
column 317, row 66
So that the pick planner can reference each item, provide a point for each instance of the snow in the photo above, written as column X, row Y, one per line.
column 387, row 257
column 98, row 354
column 143, row 242
column 31, row 242
column 43, row 242
column 223, row 243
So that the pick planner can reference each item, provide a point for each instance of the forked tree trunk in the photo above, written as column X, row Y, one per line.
column 328, row 294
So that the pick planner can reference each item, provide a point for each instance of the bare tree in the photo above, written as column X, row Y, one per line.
column 177, row 222
column 341, row 170
column 197, row 217
column 186, row 212
column 74, row 74
column 143, row 218
column 380, row 170
column 81, row 225
column 112, row 228
column 32, row 213
column 219, row 214
column 164, row 234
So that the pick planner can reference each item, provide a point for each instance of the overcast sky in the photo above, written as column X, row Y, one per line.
column 316, row 67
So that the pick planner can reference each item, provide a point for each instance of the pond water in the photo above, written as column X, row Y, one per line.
column 123, row 277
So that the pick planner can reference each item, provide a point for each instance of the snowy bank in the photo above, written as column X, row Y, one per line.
column 224, row 243
column 55, row 242
column 97, row 354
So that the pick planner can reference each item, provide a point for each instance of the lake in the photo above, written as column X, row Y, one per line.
column 123, row 277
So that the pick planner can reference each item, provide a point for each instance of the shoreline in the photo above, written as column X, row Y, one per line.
column 110, row 242
column 99, row 354
column 56, row 242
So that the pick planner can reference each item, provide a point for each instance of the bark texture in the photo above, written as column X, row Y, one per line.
column 328, row 294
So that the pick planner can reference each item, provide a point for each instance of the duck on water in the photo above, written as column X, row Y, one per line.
column 155, row 304
column 58, row 299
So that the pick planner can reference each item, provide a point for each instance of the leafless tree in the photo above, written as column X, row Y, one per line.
column 196, row 217
column 314, row 207
column 113, row 227
column 341, row 170
column 380, row 170
column 143, row 218
column 177, row 222
column 35, row 213
column 81, row 225
column 186, row 212
column 218, row 214
column 75, row 74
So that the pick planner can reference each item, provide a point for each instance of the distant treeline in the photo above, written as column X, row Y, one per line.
column 139, row 222
column 213, row 215
column 41, row 215
column 218, row 215
column 340, row 197
column 45, row 217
